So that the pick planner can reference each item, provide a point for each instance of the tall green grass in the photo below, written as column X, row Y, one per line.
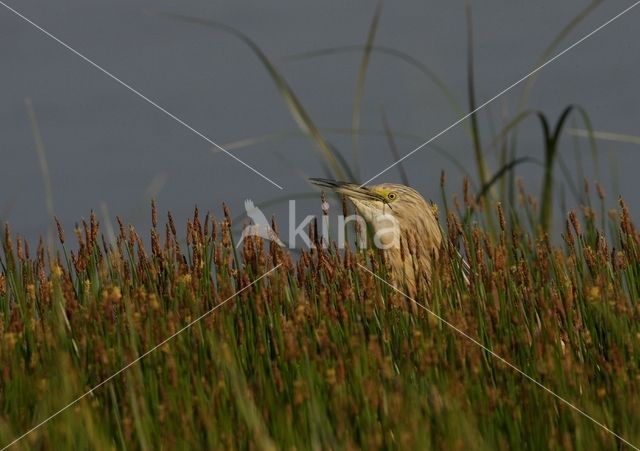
column 493, row 184
column 320, row 353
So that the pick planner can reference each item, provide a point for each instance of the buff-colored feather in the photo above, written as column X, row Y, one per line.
column 413, row 256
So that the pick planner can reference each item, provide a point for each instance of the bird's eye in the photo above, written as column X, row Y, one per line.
column 392, row 196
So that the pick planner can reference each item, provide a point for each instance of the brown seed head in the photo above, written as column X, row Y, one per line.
column 577, row 227
column 503, row 223
column 172, row 224
column 60, row 231
column 154, row 214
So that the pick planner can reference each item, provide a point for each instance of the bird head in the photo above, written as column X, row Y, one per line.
column 401, row 219
column 400, row 201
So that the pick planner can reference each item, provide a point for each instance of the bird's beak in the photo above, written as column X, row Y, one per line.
column 351, row 190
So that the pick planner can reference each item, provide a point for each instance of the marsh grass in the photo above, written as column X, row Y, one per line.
column 320, row 353
column 496, row 185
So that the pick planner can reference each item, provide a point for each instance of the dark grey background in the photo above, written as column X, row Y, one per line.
column 110, row 151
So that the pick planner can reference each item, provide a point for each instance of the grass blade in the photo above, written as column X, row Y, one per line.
column 475, row 129
column 586, row 119
column 557, row 40
column 551, row 139
column 504, row 170
column 604, row 136
column 44, row 168
column 362, row 74
column 574, row 22
column 509, row 126
column 297, row 111
column 388, row 51
column 394, row 149
column 281, row 136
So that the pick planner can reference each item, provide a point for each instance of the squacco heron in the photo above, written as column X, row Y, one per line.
column 403, row 221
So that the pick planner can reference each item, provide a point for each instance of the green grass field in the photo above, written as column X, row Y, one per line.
column 188, row 343
column 319, row 353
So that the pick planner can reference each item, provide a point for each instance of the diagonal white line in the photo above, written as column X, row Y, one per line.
column 506, row 362
column 130, row 364
column 463, row 118
column 138, row 93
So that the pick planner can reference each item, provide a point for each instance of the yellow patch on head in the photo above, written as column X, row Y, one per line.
column 388, row 195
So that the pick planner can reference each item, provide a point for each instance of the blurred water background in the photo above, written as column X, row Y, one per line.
column 109, row 151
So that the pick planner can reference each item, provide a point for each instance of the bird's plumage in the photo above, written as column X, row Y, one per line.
column 412, row 257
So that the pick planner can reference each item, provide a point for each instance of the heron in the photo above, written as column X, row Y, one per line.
column 405, row 224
